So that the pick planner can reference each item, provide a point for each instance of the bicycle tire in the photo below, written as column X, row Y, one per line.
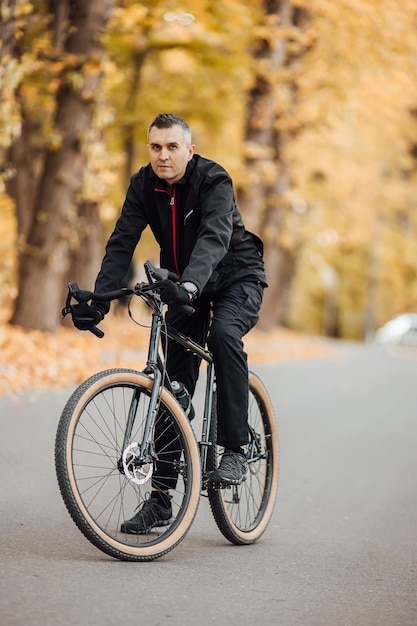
column 244, row 517
column 97, row 493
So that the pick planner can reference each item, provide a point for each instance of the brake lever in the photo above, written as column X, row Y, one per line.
column 154, row 273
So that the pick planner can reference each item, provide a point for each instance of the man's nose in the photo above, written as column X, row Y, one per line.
column 164, row 154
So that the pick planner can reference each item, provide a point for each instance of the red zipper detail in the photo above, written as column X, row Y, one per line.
column 173, row 203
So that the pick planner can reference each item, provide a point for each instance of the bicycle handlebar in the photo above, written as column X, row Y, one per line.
column 154, row 274
column 82, row 295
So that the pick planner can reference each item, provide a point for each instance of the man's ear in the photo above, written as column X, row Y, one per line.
column 191, row 151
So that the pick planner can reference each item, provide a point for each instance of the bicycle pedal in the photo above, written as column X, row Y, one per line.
column 220, row 485
column 205, row 482
column 226, row 485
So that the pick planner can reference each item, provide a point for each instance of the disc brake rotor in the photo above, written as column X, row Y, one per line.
column 136, row 472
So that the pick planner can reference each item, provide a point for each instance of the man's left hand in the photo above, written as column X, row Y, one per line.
column 173, row 294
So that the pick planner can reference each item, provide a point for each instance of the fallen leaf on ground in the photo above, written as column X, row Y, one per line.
column 32, row 359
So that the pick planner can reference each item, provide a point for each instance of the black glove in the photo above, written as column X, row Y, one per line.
column 173, row 294
column 85, row 316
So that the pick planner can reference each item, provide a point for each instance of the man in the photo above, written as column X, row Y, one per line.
column 188, row 202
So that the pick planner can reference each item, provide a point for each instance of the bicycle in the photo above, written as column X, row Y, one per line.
column 106, row 447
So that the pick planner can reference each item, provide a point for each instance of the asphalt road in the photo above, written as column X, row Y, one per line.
column 340, row 549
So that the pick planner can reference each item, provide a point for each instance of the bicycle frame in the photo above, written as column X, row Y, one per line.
column 155, row 367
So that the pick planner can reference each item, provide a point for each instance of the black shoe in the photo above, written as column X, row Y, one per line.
column 151, row 514
column 232, row 469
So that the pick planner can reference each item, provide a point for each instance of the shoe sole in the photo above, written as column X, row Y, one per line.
column 158, row 524
column 222, row 481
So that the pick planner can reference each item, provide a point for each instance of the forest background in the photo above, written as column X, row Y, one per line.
column 311, row 107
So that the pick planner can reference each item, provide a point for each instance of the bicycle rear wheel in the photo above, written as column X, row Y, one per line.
column 94, row 470
column 242, row 512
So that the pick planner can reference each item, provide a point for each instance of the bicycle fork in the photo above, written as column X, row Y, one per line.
column 137, row 456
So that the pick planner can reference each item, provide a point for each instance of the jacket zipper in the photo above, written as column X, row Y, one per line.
column 173, row 203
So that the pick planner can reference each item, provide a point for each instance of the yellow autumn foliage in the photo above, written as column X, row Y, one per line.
column 348, row 102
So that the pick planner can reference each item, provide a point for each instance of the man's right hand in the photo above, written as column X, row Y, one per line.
column 85, row 316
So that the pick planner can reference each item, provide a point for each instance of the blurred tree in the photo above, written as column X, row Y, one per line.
column 318, row 99
column 279, row 42
column 45, row 250
column 190, row 59
column 7, row 67
column 13, row 67
column 352, row 166
column 333, row 88
column 144, row 43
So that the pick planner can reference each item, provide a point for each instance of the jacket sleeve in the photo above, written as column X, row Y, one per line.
column 216, row 228
column 123, row 241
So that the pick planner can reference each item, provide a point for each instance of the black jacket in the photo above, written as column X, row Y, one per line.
column 197, row 226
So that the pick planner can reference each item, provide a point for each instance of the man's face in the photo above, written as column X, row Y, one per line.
column 169, row 153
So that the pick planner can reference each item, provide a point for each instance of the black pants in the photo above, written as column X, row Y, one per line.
column 235, row 312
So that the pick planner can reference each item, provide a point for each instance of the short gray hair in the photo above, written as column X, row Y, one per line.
column 167, row 120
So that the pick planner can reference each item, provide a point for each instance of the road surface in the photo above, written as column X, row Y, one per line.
column 341, row 548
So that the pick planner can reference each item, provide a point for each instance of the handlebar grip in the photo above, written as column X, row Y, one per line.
column 187, row 309
column 97, row 332
column 111, row 295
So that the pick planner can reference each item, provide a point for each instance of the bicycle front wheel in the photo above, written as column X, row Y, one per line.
column 243, row 512
column 95, row 463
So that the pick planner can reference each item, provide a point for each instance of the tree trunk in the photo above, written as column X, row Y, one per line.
column 265, row 200
column 86, row 258
column 45, row 259
column 22, row 185
column 131, row 106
